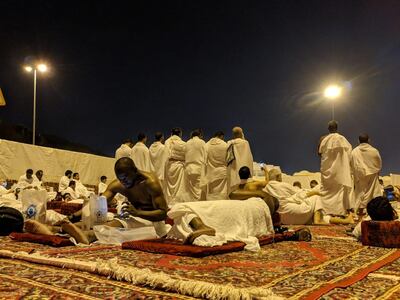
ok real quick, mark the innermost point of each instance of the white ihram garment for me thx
(64, 183)
(81, 190)
(102, 187)
(195, 164)
(233, 220)
(295, 208)
(158, 157)
(243, 157)
(175, 170)
(141, 157)
(336, 182)
(24, 182)
(216, 171)
(123, 151)
(366, 164)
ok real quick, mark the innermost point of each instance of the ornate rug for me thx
(332, 266)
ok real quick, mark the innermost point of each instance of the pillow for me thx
(381, 234)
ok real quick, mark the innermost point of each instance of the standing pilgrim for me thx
(158, 156)
(195, 164)
(366, 164)
(336, 182)
(175, 167)
(124, 150)
(140, 154)
(216, 167)
(238, 155)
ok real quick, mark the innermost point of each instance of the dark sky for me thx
(117, 70)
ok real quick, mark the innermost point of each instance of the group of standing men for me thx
(192, 170)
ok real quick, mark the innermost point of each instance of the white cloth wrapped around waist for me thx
(233, 220)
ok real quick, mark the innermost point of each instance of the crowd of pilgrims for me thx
(196, 170)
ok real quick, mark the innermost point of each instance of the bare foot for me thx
(195, 234)
(75, 232)
(34, 226)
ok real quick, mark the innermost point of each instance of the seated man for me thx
(378, 209)
(26, 180)
(70, 192)
(144, 194)
(295, 207)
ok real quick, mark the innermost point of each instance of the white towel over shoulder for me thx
(233, 220)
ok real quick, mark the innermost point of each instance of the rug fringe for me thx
(113, 269)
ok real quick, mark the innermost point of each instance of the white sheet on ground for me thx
(233, 220)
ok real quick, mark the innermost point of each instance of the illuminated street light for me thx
(41, 68)
(333, 92)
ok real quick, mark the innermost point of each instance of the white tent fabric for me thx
(15, 158)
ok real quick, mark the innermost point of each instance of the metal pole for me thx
(333, 109)
(34, 108)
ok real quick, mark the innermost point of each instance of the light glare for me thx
(332, 92)
(42, 68)
(28, 68)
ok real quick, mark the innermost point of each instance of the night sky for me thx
(117, 70)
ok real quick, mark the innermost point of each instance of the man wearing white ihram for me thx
(158, 156)
(140, 154)
(195, 164)
(238, 155)
(124, 150)
(336, 181)
(175, 167)
(366, 164)
(216, 168)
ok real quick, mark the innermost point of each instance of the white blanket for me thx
(336, 181)
(366, 164)
(233, 220)
(243, 157)
(295, 208)
(141, 157)
(216, 170)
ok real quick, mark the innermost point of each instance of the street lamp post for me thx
(332, 92)
(41, 68)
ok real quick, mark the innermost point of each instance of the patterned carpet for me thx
(332, 266)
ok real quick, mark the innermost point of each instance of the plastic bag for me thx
(98, 209)
(113, 235)
(34, 204)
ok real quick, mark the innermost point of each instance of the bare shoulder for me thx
(152, 182)
(115, 186)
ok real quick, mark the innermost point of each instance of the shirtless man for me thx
(144, 194)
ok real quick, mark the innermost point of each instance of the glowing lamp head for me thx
(332, 92)
(42, 68)
(28, 68)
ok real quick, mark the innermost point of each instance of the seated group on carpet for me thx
(206, 223)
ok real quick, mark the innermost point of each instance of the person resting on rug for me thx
(378, 209)
(145, 198)
(296, 206)
(55, 222)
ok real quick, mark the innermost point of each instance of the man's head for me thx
(363, 138)
(159, 137)
(219, 134)
(332, 126)
(68, 173)
(39, 174)
(29, 173)
(380, 209)
(75, 176)
(126, 171)
(72, 184)
(128, 142)
(275, 174)
(176, 131)
(103, 179)
(142, 138)
(244, 173)
(237, 132)
(297, 184)
(313, 183)
(196, 132)
(381, 181)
